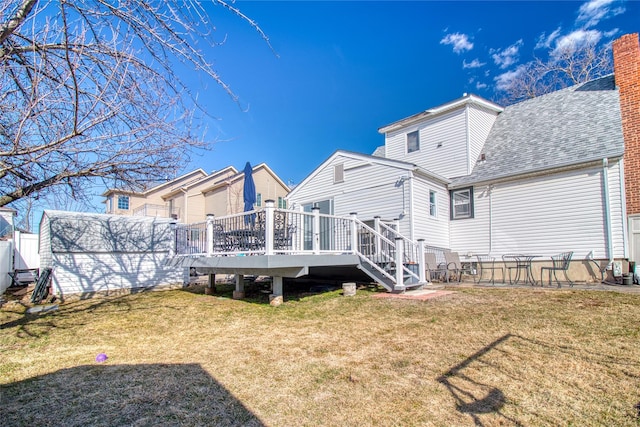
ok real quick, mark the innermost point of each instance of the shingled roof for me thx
(568, 127)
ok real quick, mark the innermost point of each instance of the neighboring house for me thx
(190, 197)
(542, 176)
(97, 252)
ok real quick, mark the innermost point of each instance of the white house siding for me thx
(434, 230)
(480, 122)
(370, 189)
(94, 252)
(78, 273)
(44, 243)
(472, 235)
(543, 216)
(448, 160)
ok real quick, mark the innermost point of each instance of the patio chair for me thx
(221, 241)
(510, 264)
(559, 262)
(454, 265)
(487, 263)
(434, 270)
(282, 237)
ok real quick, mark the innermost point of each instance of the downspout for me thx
(607, 208)
(468, 136)
(411, 211)
(490, 191)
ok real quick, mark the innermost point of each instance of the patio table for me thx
(244, 239)
(524, 272)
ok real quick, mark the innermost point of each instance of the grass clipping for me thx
(478, 357)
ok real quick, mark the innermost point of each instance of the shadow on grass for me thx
(473, 397)
(107, 395)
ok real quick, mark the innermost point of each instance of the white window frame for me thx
(414, 147)
(259, 199)
(433, 204)
(458, 200)
(123, 199)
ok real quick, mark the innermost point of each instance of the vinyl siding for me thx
(480, 122)
(449, 129)
(544, 216)
(46, 257)
(369, 189)
(216, 202)
(434, 230)
(96, 272)
(93, 252)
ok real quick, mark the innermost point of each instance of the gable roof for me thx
(240, 175)
(572, 126)
(441, 109)
(370, 159)
(196, 174)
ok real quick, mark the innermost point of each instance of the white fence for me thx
(20, 253)
(6, 264)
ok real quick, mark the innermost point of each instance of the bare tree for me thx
(88, 92)
(567, 65)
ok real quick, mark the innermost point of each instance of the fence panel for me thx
(6, 264)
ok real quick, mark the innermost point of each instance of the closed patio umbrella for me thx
(249, 192)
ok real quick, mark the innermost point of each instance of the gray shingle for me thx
(575, 125)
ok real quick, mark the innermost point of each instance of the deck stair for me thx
(378, 250)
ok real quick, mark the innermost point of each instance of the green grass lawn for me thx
(486, 357)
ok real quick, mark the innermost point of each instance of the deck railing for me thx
(272, 231)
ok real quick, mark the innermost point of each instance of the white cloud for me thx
(545, 41)
(508, 56)
(460, 42)
(504, 80)
(576, 40)
(594, 11)
(480, 85)
(473, 64)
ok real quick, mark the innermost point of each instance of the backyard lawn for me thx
(533, 357)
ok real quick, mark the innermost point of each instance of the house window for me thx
(282, 203)
(462, 203)
(259, 199)
(413, 141)
(432, 203)
(338, 173)
(123, 203)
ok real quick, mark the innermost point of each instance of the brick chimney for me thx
(626, 65)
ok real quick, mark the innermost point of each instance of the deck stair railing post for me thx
(268, 226)
(209, 233)
(378, 247)
(316, 230)
(354, 232)
(422, 272)
(399, 260)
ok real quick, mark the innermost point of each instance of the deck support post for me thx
(422, 265)
(209, 234)
(210, 289)
(268, 226)
(276, 298)
(399, 261)
(239, 292)
(316, 230)
(354, 233)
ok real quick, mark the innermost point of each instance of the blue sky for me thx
(338, 71)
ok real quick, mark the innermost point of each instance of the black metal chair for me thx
(487, 263)
(559, 262)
